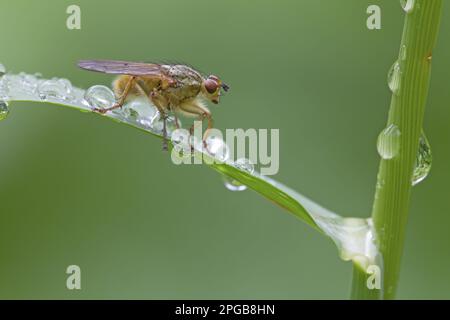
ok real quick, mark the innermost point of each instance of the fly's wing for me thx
(122, 67)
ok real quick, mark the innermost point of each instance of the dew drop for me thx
(4, 110)
(403, 52)
(100, 97)
(180, 137)
(157, 124)
(424, 159)
(380, 181)
(388, 143)
(245, 165)
(407, 5)
(139, 110)
(29, 82)
(180, 140)
(59, 89)
(233, 185)
(67, 89)
(242, 164)
(11, 84)
(197, 143)
(394, 77)
(18, 84)
(216, 147)
(144, 122)
(171, 124)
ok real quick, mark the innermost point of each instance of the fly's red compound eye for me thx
(211, 85)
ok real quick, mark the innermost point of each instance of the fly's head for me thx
(211, 88)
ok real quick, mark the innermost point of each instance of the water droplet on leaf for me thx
(29, 82)
(216, 147)
(99, 97)
(67, 89)
(4, 110)
(394, 77)
(424, 159)
(139, 110)
(171, 124)
(180, 140)
(58, 89)
(243, 164)
(403, 52)
(388, 143)
(157, 124)
(407, 5)
(233, 185)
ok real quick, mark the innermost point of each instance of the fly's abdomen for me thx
(146, 85)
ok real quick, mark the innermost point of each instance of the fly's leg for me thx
(195, 108)
(177, 123)
(161, 104)
(164, 146)
(208, 117)
(204, 115)
(121, 100)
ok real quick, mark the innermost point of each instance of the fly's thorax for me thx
(187, 82)
(181, 72)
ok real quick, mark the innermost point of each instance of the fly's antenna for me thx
(225, 87)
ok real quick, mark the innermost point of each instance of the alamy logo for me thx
(73, 281)
(374, 279)
(73, 21)
(258, 146)
(374, 20)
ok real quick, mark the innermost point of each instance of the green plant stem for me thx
(360, 290)
(392, 197)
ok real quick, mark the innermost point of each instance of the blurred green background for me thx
(78, 189)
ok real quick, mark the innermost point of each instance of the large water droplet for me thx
(388, 143)
(99, 97)
(181, 142)
(233, 185)
(216, 147)
(58, 89)
(157, 124)
(407, 5)
(423, 160)
(394, 77)
(139, 110)
(4, 110)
